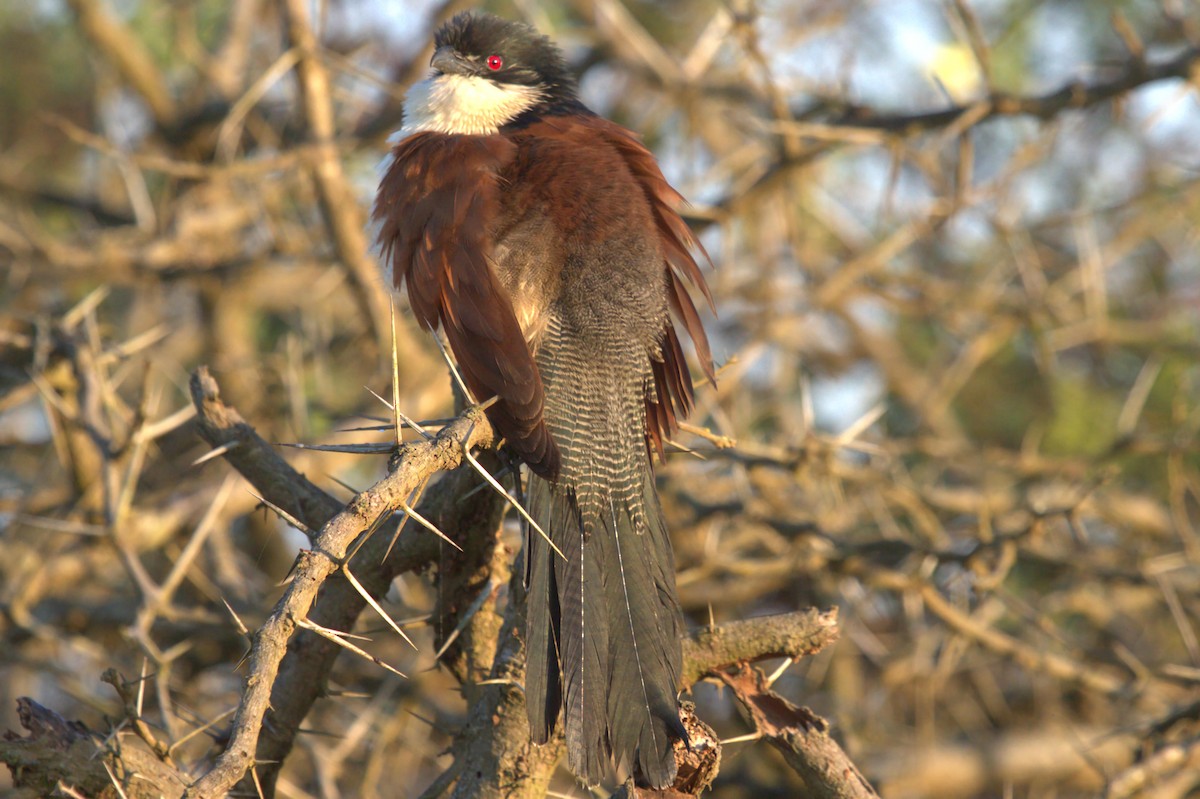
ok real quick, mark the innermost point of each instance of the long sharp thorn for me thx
(750, 736)
(258, 789)
(477, 466)
(217, 452)
(779, 671)
(287, 517)
(338, 638)
(141, 692)
(395, 537)
(686, 449)
(454, 369)
(442, 422)
(113, 778)
(375, 394)
(350, 449)
(86, 306)
(406, 420)
(365, 429)
(366, 535)
(391, 406)
(856, 429)
(237, 620)
(413, 499)
(506, 470)
(428, 525)
(375, 605)
(205, 727)
(450, 639)
(415, 426)
(466, 617)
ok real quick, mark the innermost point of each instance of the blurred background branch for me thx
(958, 287)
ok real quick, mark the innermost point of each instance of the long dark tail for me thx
(603, 623)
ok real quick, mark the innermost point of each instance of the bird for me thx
(547, 245)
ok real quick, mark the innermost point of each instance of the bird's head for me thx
(487, 72)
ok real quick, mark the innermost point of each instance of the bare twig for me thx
(125, 51)
(342, 214)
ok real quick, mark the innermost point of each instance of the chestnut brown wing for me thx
(436, 206)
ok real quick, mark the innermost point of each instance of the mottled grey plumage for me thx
(612, 602)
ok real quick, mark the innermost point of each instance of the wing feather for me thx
(437, 206)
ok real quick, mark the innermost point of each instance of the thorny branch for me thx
(484, 748)
(418, 461)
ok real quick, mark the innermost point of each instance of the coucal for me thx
(545, 242)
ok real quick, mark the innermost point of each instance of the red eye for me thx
(494, 62)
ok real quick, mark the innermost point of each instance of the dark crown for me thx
(529, 57)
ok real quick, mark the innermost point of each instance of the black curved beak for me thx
(448, 62)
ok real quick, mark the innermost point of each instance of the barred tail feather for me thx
(644, 651)
(610, 602)
(543, 686)
(611, 608)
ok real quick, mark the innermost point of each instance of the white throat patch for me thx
(456, 104)
(464, 104)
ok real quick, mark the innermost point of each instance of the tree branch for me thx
(802, 737)
(59, 753)
(793, 635)
(417, 462)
